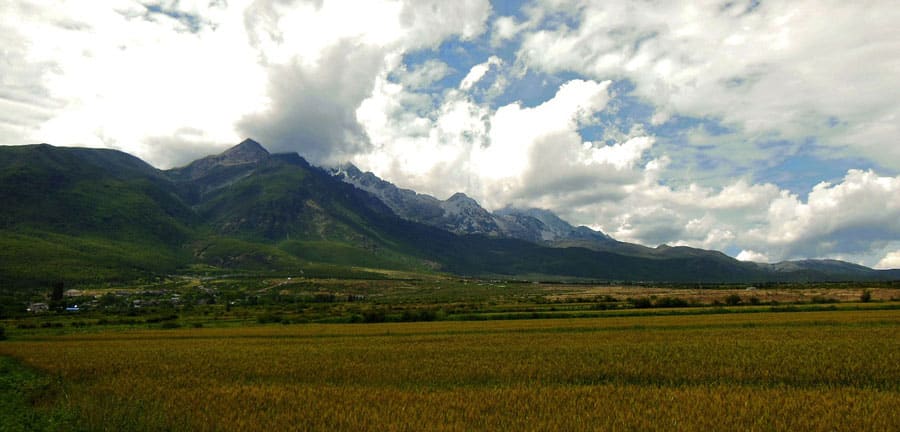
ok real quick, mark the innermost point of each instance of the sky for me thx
(765, 129)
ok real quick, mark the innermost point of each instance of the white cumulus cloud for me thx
(424, 74)
(514, 154)
(169, 79)
(125, 76)
(478, 71)
(890, 261)
(749, 255)
(783, 70)
(845, 217)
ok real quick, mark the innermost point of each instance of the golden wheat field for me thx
(832, 370)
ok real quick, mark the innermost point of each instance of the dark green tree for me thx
(866, 296)
(56, 296)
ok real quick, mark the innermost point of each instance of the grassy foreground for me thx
(830, 370)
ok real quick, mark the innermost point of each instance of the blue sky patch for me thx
(190, 21)
(798, 173)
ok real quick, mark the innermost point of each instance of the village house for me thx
(38, 308)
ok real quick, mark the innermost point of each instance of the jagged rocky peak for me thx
(463, 215)
(248, 151)
(343, 170)
(460, 202)
(347, 169)
(547, 226)
(243, 156)
(545, 216)
(460, 197)
(351, 174)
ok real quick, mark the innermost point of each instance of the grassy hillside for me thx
(86, 215)
(89, 192)
(38, 259)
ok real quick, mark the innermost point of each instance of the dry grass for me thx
(709, 295)
(832, 370)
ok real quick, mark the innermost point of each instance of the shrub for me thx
(154, 320)
(268, 318)
(324, 298)
(823, 299)
(2, 333)
(866, 296)
(733, 300)
(668, 302)
(641, 303)
(373, 316)
(418, 315)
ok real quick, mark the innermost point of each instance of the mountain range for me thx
(463, 215)
(99, 215)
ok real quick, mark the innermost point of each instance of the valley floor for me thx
(816, 370)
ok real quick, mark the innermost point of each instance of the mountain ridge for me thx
(463, 215)
(101, 215)
(544, 227)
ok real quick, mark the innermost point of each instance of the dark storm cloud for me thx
(313, 109)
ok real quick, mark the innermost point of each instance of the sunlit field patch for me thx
(831, 370)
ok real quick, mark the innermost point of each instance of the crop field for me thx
(823, 370)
